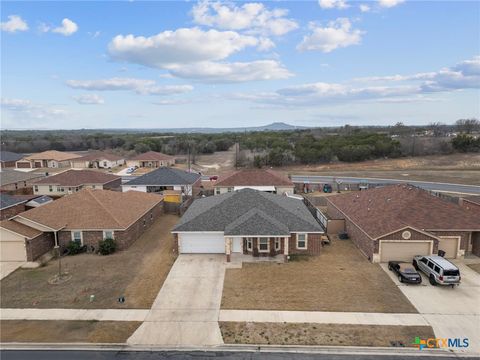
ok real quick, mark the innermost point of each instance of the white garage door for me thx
(449, 245)
(403, 250)
(12, 251)
(204, 243)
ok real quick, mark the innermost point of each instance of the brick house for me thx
(249, 222)
(46, 159)
(14, 181)
(397, 222)
(98, 160)
(151, 159)
(86, 217)
(72, 181)
(257, 179)
(8, 159)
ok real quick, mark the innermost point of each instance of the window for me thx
(423, 260)
(144, 222)
(50, 188)
(217, 191)
(278, 244)
(77, 237)
(230, 189)
(36, 188)
(437, 269)
(104, 164)
(263, 245)
(301, 241)
(430, 265)
(151, 216)
(107, 234)
(93, 186)
(249, 244)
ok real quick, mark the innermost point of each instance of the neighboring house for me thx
(165, 178)
(8, 159)
(71, 181)
(11, 206)
(249, 222)
(86, 217)
(98, 160)
(12, 180)
(397, 222)
(151, 159)
(47, 159)
(471, 203)
(257, 179)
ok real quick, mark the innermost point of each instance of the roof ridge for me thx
(90, 192)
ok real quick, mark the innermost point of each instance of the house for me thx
(257, 179)
(249, 222)
(8, 159)
(166, 178)
(396, 222)
(151, 159)
(46, 159)
(13, 180)
(98, 160)
(71, 181)
(87, 217)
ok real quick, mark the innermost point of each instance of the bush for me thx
(74, 248)
(107, 246)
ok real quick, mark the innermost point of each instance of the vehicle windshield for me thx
(451, 273)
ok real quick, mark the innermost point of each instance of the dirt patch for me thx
(321, 334)
(339, 279)
(137, 273)
(475, 267)
(67, 331)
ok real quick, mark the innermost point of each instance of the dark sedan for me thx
(406, 272)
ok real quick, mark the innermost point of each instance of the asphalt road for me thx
(158, 355)
(434, 186)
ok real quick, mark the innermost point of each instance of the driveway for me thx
(452, 313)
(7, 267)
(186, 310)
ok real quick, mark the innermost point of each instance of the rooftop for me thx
(78, 177)
(254, 177)
(10, 176)
(9, 156)
(20, 229)
(152, 155)
(383, 210)
(166, 176)
(7, 201)
(99, 155)
(52, 155)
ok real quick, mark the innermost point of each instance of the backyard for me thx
(137, 274)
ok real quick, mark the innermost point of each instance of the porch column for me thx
(228, 247)
(285, 249)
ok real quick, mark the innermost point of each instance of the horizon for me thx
(210, 64)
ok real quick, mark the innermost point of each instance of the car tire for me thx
(432, 280)
(400, 279)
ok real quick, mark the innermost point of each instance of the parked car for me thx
(439, 270)
(327, 188)
(130, 170)
(406, 272)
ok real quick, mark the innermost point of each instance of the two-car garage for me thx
(403, 250)
(201, 243)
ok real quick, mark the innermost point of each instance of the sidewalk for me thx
(74, 314)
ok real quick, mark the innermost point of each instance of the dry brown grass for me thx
(339, 279)
(67, 331)
(321, 334)
(137, 273)
(475, 267)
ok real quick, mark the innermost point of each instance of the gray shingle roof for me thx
(165, 176)
(7, 200)
(10, 156)
(248, 212)
(10, 176)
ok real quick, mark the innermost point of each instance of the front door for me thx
(237, 245)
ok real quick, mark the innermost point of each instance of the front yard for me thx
(137, 274)
(340, 279)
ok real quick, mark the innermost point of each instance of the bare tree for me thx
(468, 125)
(437, 128)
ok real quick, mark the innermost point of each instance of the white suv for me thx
(439, 270)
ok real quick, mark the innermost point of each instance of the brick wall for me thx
(314, 246)
(38, 246)
(12, 211)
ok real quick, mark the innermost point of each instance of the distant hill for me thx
(276, 126)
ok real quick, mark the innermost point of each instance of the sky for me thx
(171, 64)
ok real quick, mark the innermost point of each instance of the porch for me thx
(257, 248)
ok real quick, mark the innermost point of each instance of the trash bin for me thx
(441, 253)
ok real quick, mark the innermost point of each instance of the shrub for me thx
(107, 246)
(74, 248)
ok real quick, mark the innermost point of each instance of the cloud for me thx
(15, 23)
(89, 99)
(67, 28)
(333, 4)
(171, 102)
(389, 3)
(23, 108)
(233, 72)
(252, 17)
(337, 34)
(364, 8)
(139, 86)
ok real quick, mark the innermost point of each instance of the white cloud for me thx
(233, 72)
(43, 28)
(23, 108)
(139, 86)
(89, 99)
(364, 8)
(389, 3)
(253, 17)
(182, 46)
(333, 4)
(67, 28)
(15, 23)
(171, 102)
(337, 34)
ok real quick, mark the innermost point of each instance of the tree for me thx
(466, 143)
(141, 148)
(468, 125)
(436, 128)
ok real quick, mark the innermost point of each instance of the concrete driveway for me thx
(7, 267)
(186, 310)
(452, 313)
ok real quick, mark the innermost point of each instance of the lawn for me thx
(339, 279)
(67, 331)
(321, 334)
(137, 274)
